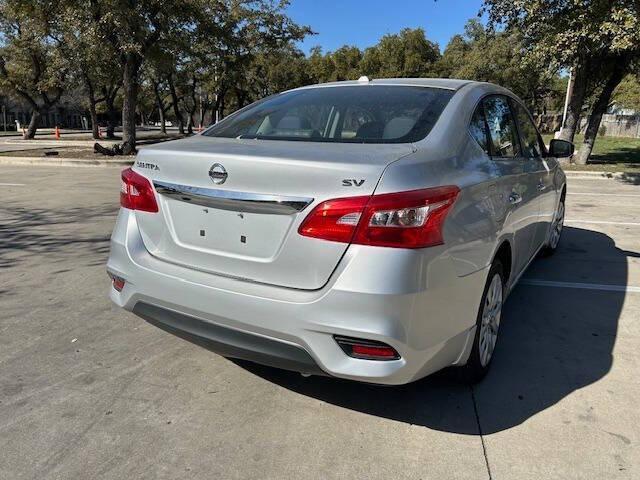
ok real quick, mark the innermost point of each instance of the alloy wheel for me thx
(556, 227)
(490, 320)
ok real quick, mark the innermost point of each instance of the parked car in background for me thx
(368, 230)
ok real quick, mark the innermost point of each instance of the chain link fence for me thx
(611, 125)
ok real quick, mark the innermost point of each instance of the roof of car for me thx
(448, 83)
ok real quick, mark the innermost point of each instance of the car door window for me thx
(529, 136)
(478, 129)
(503, 134)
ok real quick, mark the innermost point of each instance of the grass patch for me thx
(618, 154)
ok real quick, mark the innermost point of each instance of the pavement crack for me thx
(484, 447)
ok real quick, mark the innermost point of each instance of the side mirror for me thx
(561, 148)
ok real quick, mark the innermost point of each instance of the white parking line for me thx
(599, 222)
(604, 194)
(12, 184)
(584, 286)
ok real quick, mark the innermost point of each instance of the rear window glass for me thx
(348, 114)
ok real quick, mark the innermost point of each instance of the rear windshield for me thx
(346, 114)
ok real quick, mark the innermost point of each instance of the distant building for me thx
(615, 109)
(18, 114)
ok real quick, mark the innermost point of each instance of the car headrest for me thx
(291, 122)
(370, 130)
(398, 127)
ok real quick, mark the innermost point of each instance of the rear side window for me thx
(531, 143)
(478, 129)
(344, 114)
(503, 134)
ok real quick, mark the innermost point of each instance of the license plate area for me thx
(227, 232)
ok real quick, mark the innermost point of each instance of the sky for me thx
(363, 22)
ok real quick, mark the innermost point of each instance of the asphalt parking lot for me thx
(90, 391)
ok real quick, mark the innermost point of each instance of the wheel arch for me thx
(504, 253)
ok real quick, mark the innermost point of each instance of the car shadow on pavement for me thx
(553, 342)
(56, 233)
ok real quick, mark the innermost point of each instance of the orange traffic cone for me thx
(57, 133)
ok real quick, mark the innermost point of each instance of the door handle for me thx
(541, 187)
(514, 198)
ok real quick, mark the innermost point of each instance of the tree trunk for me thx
(190, 125)
(111, 117)
(203, 111)
(163, 121)
(176, 106)
(599, 108)
(94, 120)
(92, 106)
(33, 125)
(110, 94)
(576, 101)
(130, 91)
(160, 105)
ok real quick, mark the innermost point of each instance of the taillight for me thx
(136, 192)
(412, 219)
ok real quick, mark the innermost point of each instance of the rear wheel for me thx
(555, 232)
(487, 326)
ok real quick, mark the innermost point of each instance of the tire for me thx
(555, 232)
(487, 326)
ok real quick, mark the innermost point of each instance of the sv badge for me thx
(352, 182)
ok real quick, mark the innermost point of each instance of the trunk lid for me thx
(246, 226)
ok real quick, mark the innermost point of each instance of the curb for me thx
(52, 143)
(64, 162)
(592, 174)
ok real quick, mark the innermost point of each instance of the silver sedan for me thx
(369, 230)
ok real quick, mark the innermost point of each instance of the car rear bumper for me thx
(228, 342)
(410, 300)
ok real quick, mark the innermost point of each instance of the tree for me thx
(229, 37)
(597, 39)
(31, 68)
(132, 28)
(627, 95)
(405, 54)
(93, 63)
(488, 56)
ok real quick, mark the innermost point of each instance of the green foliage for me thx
(627, 95)
(562, 33)
(406, 54)
(31, 67)
(489, 56)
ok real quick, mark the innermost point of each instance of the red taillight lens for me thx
(334, 220)
(412, 219)
(136, 192)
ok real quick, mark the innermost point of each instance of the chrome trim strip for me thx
(234, 201)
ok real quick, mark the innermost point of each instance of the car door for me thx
(517, 190)
(540, 171)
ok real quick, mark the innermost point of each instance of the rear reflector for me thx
(117, 282)
(412, 219)
(366, 349)
(136, 192)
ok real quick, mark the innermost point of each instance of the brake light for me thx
(136, 192)
(412, 219)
